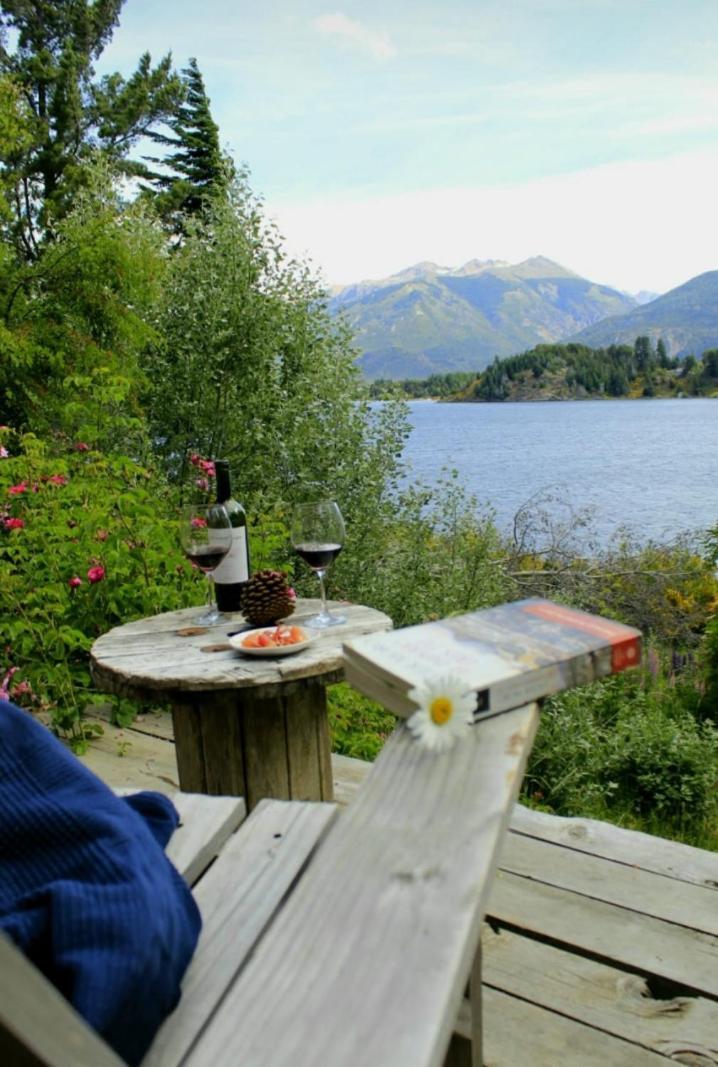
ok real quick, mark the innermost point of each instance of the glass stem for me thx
(210, 594)
(323, 614)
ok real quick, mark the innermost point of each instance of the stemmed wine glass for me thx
(206, 537)
(317, 534)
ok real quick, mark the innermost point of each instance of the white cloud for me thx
(338, 25)
(644, 225)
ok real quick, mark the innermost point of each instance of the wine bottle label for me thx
(235, 565)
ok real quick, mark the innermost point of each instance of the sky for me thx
(381, 134)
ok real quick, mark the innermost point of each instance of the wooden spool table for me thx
(251, 727)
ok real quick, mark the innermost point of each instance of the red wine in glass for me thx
(206, 537)
(317, 555)
(318, 536)
(206, 558)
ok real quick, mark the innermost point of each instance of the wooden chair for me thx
(328, 940)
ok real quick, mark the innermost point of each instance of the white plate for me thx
(277, 650)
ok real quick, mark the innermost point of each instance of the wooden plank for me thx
(302, 741)
(655, 854)
(220, 720)
(619, 935)
(373, 949)
(600, 996)
(264, 739)
(189, 751)
(519, 1033)
(616, 883)
(237, 898)
(38, 1027)
(348, 774)
(206, 823)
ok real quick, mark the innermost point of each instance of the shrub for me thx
(87, 542)
(630, 750)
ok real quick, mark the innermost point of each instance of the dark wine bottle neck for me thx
(224, 485)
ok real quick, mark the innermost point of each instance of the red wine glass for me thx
(317, 533)
(206, 538)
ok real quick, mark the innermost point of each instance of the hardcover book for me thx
(509, 655)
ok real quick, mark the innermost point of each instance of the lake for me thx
(647, 465)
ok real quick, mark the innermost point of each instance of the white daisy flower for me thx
(446, 710)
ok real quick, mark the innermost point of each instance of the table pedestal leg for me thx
(234, 743)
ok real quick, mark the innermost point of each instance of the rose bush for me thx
(87, 541)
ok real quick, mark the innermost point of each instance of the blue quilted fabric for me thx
(86, 891)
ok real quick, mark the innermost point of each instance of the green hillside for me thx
(429, 319)
(574, 372)
(686, 318)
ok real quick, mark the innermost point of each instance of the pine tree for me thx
(71, 114)
(197, 160)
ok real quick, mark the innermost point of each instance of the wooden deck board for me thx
(584, 916)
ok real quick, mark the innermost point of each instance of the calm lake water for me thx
(648, 465)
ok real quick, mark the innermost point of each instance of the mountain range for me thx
(430, 319)
(686, 318)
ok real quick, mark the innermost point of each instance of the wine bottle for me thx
(231, 576)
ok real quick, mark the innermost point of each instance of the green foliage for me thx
(73, 324)
(196, 159)
(359, 727)
(70, 113)
(628, 750)
(428, 557)
(435, 386)
(576, 370)
(250, 366)
(86, 543)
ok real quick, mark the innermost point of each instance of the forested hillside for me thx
(575, 371)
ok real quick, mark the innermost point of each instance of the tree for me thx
(70, 114)
(643, 351)
(250, 365)
(662, 354)
(197, 158)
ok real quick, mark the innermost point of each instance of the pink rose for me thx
(102, 535)
(198, 523)
(58, 479)
(80, 446)
(74, 582)
(14, 524)
(3, 453)
(194, 459)
(202, 484)
(208, 467)
(95, 574)
(16, 490)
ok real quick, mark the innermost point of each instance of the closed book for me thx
(509, 655)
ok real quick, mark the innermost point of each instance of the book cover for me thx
(509, 655)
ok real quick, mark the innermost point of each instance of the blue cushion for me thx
(86, 891)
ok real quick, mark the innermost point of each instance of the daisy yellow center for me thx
(441, 709)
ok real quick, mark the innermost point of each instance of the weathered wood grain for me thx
(150, 656)
(616, 934)
(38, 1027)
(616, 883)
(600, 996)
(651, 853)
(237, 898)
(396, 891)
(518, 1033)
(189, 750)
(206, 824)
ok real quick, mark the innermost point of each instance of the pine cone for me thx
(268, 598)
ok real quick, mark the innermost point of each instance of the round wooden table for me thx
(251, 727)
